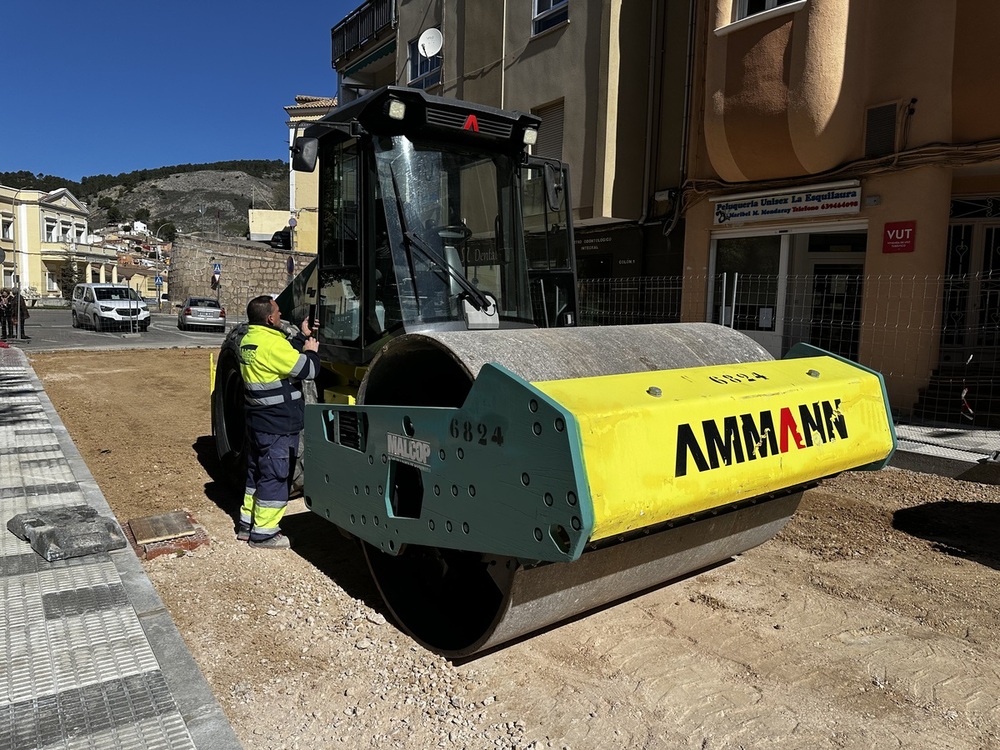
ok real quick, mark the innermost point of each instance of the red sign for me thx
(899, 237)
(471, 123)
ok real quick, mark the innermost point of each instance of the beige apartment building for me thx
(849, 152)
(824, 171)
(608, 80)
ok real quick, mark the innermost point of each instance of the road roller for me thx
(502, 467)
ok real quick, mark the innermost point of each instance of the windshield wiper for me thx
(477, 298)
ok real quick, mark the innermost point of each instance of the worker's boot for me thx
(278, 541)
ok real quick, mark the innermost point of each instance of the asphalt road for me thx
(50, 329)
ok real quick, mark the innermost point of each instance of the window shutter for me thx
(550, 134)
(880, 130)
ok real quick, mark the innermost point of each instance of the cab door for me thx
(548, 242)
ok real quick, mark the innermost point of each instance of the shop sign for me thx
(899, 237)
(801, 204)
(622, 249)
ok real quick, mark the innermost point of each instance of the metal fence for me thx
(935, 339)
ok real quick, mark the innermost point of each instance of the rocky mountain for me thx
(211, 200)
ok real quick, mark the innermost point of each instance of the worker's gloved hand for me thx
(307, 327)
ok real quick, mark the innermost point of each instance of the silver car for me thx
(201, 312)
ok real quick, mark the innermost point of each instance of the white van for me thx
(103, 306)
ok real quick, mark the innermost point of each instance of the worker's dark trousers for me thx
(270, 463)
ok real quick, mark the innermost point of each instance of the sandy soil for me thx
(870, 621)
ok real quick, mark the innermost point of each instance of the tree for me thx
(114, 215)
(67, 276)
(142, 214)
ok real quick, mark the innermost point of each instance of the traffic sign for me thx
(217, 269)
(158, 281)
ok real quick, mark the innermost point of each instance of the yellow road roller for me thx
(503, 468)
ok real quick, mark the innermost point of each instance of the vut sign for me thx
(899, 237)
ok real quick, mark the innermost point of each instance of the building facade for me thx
(608, 80)
(304, 186)
(809, 170)
(849, 152)
(41, 233)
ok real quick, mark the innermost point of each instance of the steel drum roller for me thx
(503, 481)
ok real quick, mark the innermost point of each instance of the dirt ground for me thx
(872, 620)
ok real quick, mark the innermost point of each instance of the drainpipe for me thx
(655, 63)
(686, 127)
(503, 55)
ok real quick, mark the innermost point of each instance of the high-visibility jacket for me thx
(273, 370)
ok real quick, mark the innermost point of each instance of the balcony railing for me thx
(361, 26)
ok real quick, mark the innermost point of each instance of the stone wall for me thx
(248, 269)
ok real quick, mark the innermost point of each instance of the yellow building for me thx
(39, 233)
(301, 217)
(304, 186)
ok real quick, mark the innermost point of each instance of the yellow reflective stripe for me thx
(266, 519)
(246, 510)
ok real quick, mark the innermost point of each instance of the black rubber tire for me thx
(98, 326)
(228, 418)
(76, 321)
(144, 326)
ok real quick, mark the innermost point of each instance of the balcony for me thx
(362, 25)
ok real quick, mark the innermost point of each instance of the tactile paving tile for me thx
(77, 668)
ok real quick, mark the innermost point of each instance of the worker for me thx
(273, 368)
(6, 315)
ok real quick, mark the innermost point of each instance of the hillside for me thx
(210, 198)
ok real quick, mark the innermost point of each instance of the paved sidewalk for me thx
(91, 657)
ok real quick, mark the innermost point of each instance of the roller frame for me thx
(522, 498)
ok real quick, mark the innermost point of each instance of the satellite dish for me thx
(430, 42)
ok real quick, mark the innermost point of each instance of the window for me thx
(549, 13)
(424, 71)
(50, 230)
(51, 284)
(64, 231)
(7, 227)
(746, 8)
(78, 232)
(340, 253)
(550, 133)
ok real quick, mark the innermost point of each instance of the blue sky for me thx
(112, 86)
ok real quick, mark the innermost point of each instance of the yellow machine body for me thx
(659, 446)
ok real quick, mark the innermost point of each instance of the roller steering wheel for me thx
(458, 232)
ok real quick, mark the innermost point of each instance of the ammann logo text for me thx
(408, 450)
(746, 437)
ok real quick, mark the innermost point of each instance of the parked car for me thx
(103, 306)
(281, 240)
(198, 312)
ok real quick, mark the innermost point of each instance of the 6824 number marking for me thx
(478, 432)
(739, 377)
